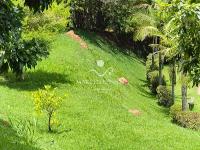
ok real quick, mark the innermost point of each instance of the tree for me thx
(46, 101)
(151, 28)
(185, 16)
(40, 5)
(15, 52)
(172, 72)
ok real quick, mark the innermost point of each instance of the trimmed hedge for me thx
(164, 96)
(185, 119)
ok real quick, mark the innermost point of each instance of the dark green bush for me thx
(164, 96)
(185, 119)
(110, 14)
(149, 66)
(25, 54)
(153, 81)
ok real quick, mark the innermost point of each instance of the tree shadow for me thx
(106, 44)
(9, 139)
(35, 80)
(143, 89)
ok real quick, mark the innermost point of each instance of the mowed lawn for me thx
(95, 114)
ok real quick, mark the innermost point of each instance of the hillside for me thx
(98, 111)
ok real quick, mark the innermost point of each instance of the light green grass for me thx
(94, 116)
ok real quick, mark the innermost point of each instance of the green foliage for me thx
(46, 101)
(10, 24)
(152, 73)
(184, 16)
(154, 81)
(117, 13)
(40, 5)
(25, 129)
(164, 96)
(185, 119)
(24, 55)
(149, 66)
(16, 53)
(55, 19)
(175, 109)
(87, 14)
(99, 15)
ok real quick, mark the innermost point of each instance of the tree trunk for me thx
(160, 68)
(49, 122)
(20, 76)
(184, 97)
(153, 59)
(173, 79)
(160, 62)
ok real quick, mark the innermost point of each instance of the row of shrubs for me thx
(152, 74)
(186, 119)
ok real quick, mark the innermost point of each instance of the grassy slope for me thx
(94, 116)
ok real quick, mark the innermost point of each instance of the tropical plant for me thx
(151, 28)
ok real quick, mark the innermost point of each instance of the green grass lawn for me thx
(95, 115)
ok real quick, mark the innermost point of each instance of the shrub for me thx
(23, 55)
(48, 102)
(154, 81)
(164, 96)
(149, 65)
(55, 19)
(186, 119)
(175, 109)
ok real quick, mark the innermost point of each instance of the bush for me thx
(149, 65)
(23, 55)
(153, 81)
(185, 119)
(55, 19)
(164, 96)
(175, 109)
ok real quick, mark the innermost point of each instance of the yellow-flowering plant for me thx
(46, 101)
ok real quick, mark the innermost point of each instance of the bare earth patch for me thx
(135, 112)
(77, 38)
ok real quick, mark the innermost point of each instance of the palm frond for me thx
(146, 31)
(143, 19)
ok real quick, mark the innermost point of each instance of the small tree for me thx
(46, 101)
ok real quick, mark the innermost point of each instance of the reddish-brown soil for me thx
(77, 38)
(135, 112)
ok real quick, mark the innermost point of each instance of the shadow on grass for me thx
(9, 139)
(35, 80)
(143, 89)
